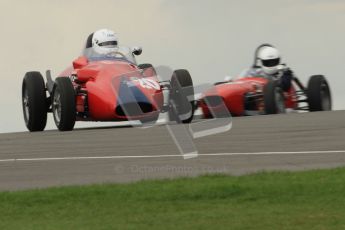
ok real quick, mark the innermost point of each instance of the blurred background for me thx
(211, 39)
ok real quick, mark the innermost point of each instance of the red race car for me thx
(105, 88)
(259, 95)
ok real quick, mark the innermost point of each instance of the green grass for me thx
(278, 200)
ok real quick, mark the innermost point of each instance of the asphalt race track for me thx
(279, 142)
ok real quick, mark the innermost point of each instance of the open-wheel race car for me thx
(254, 95)
(106, 88)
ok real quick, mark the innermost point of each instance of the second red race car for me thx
(106, 88)
(249, 95)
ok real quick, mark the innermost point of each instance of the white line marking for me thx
(164, 156)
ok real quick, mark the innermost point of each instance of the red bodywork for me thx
(100, 90)
(235, 93)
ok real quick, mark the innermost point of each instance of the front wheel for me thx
(181, 97)
(34, 101)
(319, 94)
(273, 98)
(63, 104)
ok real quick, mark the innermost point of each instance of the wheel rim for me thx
(325, 97)
(280, 101)
(57, 106)
(26, 106)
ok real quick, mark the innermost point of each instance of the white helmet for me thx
(103, 41)
(269, 59)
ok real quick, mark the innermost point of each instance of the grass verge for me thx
(277, 200)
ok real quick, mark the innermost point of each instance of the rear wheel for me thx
(273, 98)
(181, 97)
(63, 104)
(34, 101)
(319, 94)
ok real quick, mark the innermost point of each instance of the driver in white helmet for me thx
(103, 44)
(268, 64)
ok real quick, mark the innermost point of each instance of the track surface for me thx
(297, 134)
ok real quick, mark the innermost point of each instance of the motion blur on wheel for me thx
(268, 87)
(106, 86)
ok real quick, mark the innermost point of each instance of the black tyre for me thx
(34, 101)
(319, 94)
(274, 100)
(63, 104)
(181, 97)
